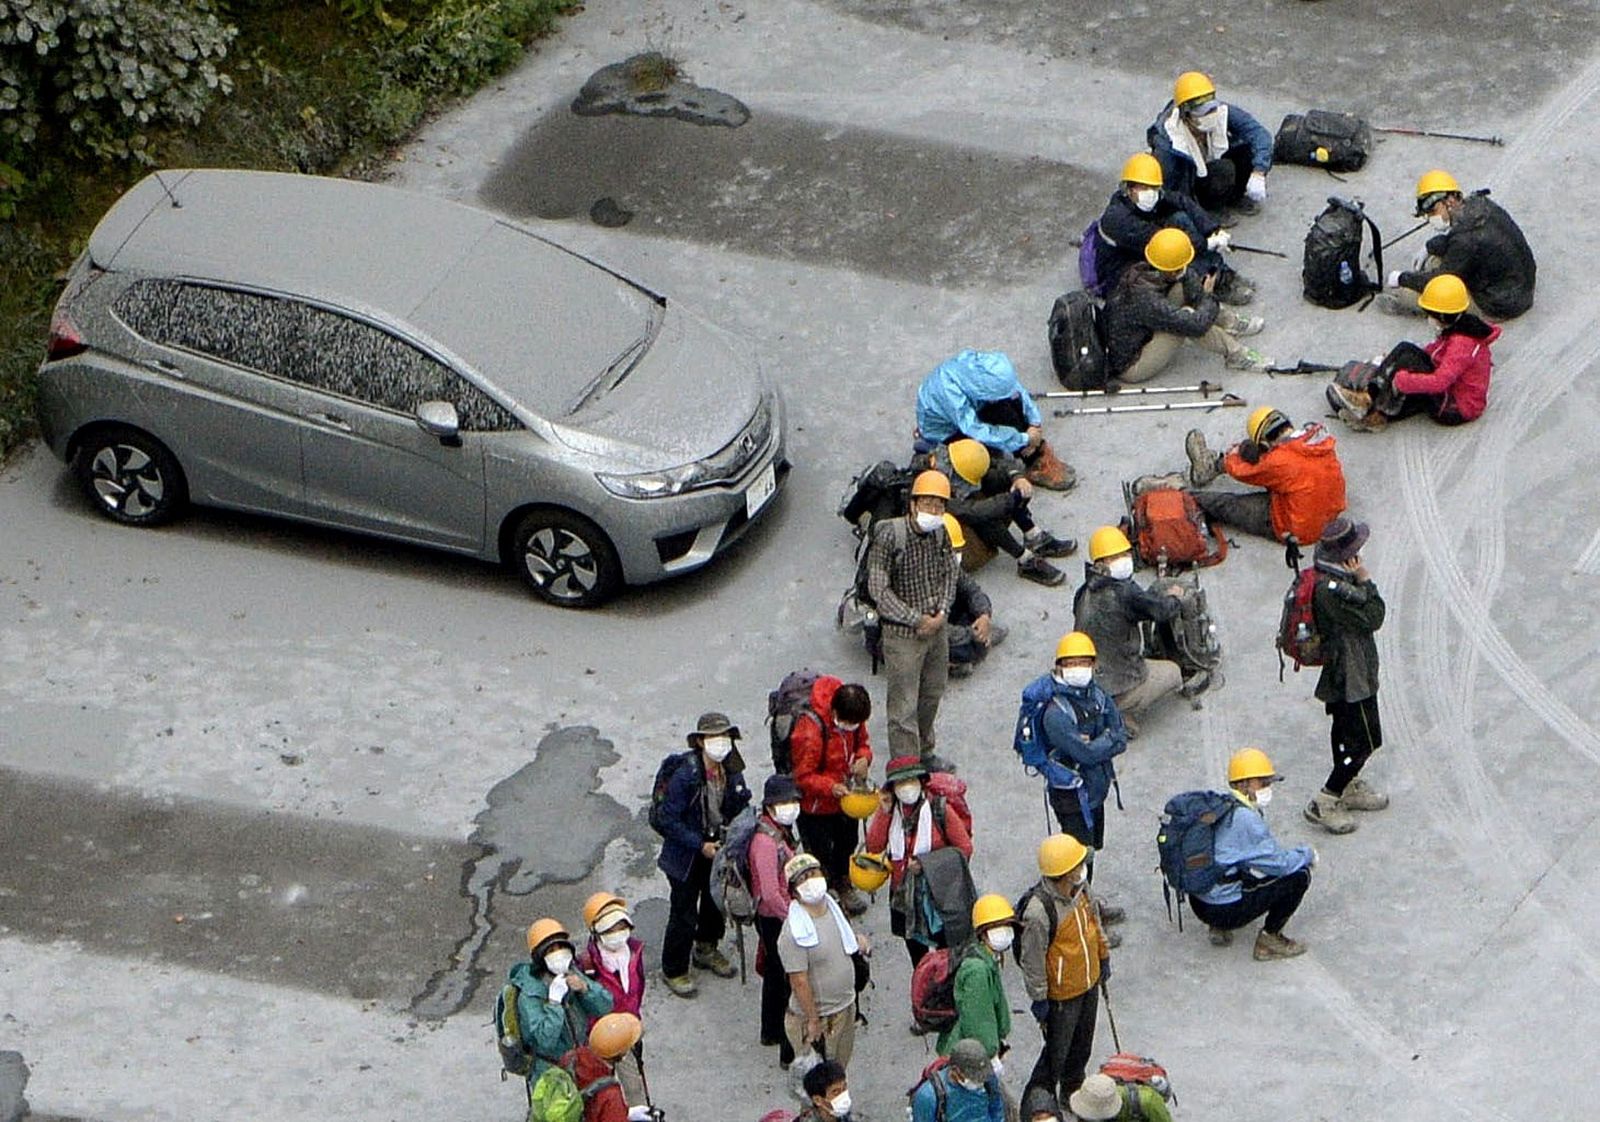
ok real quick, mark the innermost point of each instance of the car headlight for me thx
(655, 484)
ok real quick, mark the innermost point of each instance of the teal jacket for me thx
(982, 1012)
(551, 1030)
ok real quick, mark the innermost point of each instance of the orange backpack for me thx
(1168, 529)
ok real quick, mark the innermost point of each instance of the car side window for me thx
(244, 328)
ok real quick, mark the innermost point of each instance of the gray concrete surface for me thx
(164, 677)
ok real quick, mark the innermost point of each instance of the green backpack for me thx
(516, 1058)
(555, 1096)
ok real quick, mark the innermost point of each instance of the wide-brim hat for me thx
(1342, 539)
(713, 724)
(1097, 1100)
(904, 767)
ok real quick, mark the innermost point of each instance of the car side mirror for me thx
(439, 418)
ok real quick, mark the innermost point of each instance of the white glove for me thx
(638, 1114)
(1220, 240)
(1394, 278)
(558, 990)
(999, 1068)
(1256, 189)
(1314, 857)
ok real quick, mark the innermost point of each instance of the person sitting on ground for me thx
(831, 750)
(964, 1090)
(908, 825)
(1109, 607)
(1265, 878)
(977, 394)
(1452, 385)
(1102, 1098)
(594, 1069)
(990, 493)
(1477, 241)
(1299, 469)
(973, 632)
(1209, 149)
(1160, 302)
(828, 1090)
(1138, 209)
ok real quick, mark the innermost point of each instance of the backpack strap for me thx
(940, 1094)
(1135, 1101)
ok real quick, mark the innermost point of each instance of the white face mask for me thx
(558, 962)
(1439, 222)
(999, 939)
(786, 814)
(1076, 676)
(1145, 198)
(718, 747)
(957, 555)
(964, 1082)
(1264, 796)
(840, 1104)
(908, 793)
(844, 728)
(1120, 568)
(928, 523)
(811, 890)
(615, 940)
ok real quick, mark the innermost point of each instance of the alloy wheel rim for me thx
(561, 563)
(127, 480)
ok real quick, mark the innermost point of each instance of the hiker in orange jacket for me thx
(1299, 469)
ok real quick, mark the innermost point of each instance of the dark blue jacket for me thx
(683, 811)
(1125, 229)
(1065, 759)
(1177, 169)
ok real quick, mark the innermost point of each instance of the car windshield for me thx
(550, 329)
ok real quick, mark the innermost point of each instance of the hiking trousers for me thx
(1277, 899)
(1159, 352)
(1068, 1040)
(1250, 511)
(1161, 678)
(692, 917)
(774, 983)
(838, 1033)
(831, 839)
(1355, 734)
(917, 670)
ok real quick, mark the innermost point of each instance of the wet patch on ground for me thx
(13, 1082)
(1404, 63)
(793, 189)
(651, 85)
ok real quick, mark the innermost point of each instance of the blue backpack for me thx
(1187, 841)
(1036, 698)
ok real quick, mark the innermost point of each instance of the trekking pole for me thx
(644, 1081)
(1494, 140)
(738, 938)
(1205, 389)
(1407, 234)
(1226, 400)
(1105, 1000)
(1303, 367)
(1257, 249)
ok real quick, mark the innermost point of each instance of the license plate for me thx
(760, 491)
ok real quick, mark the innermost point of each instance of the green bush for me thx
(99, 74)
(456, 45)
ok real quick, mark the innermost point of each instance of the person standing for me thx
(615, 958)
(595, 1071)
(908, 825)
(703, 796)
(1348, 610)
(911, 580)
(964, 1090)
(772, 846)
(817, 949)
(831, 749)
(1064, 956)
(555, 1002)
(982, 1012)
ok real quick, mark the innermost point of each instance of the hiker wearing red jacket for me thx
(593, 1069)
(1299, 470)
(906, 826)
(830, 748)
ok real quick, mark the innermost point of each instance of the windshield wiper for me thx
(622, 365)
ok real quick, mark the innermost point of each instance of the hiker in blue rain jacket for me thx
(555, 1001)
(1069, 730)
(977, 394)
(1210, 149)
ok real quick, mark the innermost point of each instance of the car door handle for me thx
(162, 366)
(331, 421)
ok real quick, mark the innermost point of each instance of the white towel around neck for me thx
(804, 928)
(924, 838)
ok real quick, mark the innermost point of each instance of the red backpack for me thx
(1131, 1070)
(1298, 638)
(933, 991)
(948, 795)
(1166, 526)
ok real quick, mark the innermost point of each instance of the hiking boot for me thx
(1242, 326)
(709, 956)
(1370, 422)
(1113, 938)
(1392, 305)
(1221, 937)
(854, 901)
(1204, 464)
(1046, 544)
(1248, 359)
(1245, 205)
(1172, 481)
(1111, 913)
(1269, 946)
(1325, 811)
(1196, 684)
(1344, 399)
(1359, 796)
(935, 762)
(1049, 471)
(959, 670)
(683, 985)
(997, 635)
(1040, 571)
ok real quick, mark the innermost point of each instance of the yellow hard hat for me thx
(614, 1034)
(931, 482)
(1191, 86)
(1263, 420)
(1059, 854)
(1107, 541)
(952, 528)
(543, 931)
(1075, 644)
(1251, 763)
(991, 910)
(1143, 168)
(869, 871)
(970, 459)
(1445, 294)
(1169, 250)
(1436, 182)
(859, 804)
(600, 903)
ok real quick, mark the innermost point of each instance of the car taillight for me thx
(65, 340)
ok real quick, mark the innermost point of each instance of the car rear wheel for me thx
(130, 476)
(565, 559)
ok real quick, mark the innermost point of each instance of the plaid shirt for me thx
(909, 574)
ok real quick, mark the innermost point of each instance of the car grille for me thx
(728, 463)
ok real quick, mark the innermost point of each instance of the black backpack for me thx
(1322, 139)
(658, 790)
(881, 490)
(1331, 275)
(788, 704)
(1077, 342)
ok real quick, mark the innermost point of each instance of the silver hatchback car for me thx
(375, 360)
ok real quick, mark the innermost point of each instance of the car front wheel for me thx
(130, 476)
(565, 559)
